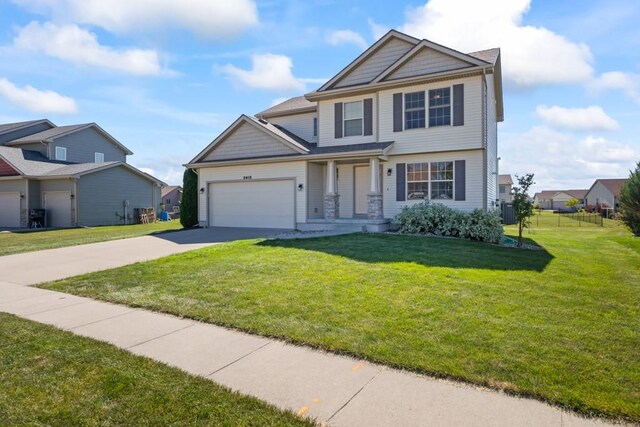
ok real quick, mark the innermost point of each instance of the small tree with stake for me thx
(522, 205)
(630, 201)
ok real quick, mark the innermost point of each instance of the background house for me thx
(77, 173)
(605, 192)
(505, 182)
(556, 199)
(408, 120)
(171, 198)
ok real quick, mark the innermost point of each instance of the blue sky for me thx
(166, 77)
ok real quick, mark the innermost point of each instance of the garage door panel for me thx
(260, 204)
(10, 210)
(58, 206)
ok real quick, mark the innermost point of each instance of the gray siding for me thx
(376, 63)
(427, 61)
(101, 195)
(81, 147)
(35, 198)
(10, 136)
(247, 141)
(41, 148)
(11, 186)
(172, 199)
(56, 185)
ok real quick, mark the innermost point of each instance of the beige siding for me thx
(473, 178)
(376, 63)
(315, 190)
(600, 194)
(326, 127)
(492, 147)
(295, 170)
(427, 61)
(441, 138)
(247, 141)
(300, 124)
(346, 181)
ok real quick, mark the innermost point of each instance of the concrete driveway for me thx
(54, 264)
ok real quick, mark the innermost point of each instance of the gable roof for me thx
(60, 131)
(550, 194)
(168, 189)
(10, 127)
(278, 133)
(296, 105)
(505, 179)
(613, 185)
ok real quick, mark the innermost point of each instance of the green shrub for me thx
(189, 202)
(440, 220)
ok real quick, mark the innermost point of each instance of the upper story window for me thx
(440, 107)
(430, 181)
(414, 110)
(315, 126)
(502, 188)
(99, 157)
(61, 153)
(353, 118)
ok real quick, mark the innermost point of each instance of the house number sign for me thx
(246, 177)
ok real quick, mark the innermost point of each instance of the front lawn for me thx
(36, 240)
(560, 324)
(51, 377)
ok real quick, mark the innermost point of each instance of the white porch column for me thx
(331, 177)
(331, 196)
(374, 197)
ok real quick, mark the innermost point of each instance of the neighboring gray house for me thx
(171, 198)
(605, 193)
(408, 120)
(505, 182)
(77, 173)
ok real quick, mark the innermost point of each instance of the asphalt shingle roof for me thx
(292, 104)
(49, 133)
(488, 55)
(613, 185)
(8, 127)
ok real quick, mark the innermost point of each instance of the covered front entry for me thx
(252, 203)
(10, 210)
(58, 208)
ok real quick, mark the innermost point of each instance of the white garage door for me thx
(257, 204)
(10, 210)
(58, 206)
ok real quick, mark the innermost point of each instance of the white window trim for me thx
(61, 153)
(95, 157)
(361, 118)
(429, 180)
(428, 108)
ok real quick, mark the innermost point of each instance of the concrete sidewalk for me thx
(336, 390)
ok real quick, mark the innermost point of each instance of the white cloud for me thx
(338, 37)
(268, 71)
(531, 55)
(37, 101)
(376, 29)
(629, 83)
(74, 44)
(589, 118)
(278, 101)
(563, 161)
(208, 18)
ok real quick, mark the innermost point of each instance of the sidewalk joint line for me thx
(159, 336)
(100, 320)
(54, 309)
(355, 394)
(238, 359)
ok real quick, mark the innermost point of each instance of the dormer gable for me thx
(366, 67)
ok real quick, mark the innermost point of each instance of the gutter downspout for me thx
(484, 141)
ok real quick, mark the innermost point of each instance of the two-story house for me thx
(408, 120)
(78, 174)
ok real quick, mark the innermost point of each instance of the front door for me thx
(361, 189)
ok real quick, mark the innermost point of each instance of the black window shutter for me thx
(338, 119)
(401, 178)
(397, 113)
(368, 116)
(460, 180)
(458, 105)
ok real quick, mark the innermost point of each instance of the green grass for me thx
(36, 240)
(560, 324)
(51, 377)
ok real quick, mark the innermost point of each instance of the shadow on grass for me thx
(426, 251)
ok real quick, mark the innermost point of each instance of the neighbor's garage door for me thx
(58, 206)
(10, 210)
(258, 204)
